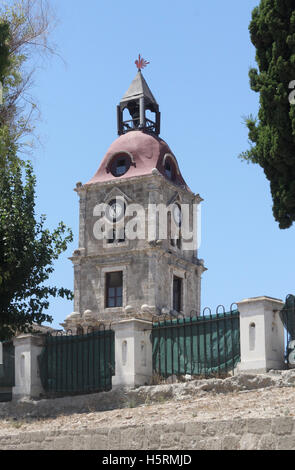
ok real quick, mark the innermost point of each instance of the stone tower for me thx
(135, 255)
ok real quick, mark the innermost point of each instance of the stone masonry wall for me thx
(237, 434)
(242, 412)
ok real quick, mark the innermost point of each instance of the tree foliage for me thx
(29, 23)
(27, 249)
(27, 253)
(272, 133)
(4, 50)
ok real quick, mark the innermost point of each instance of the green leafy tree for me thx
(7, 150)
(4, 49)
(27, 254)
(27, 249)
(272, 133)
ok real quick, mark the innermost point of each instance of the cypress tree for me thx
(272, 133)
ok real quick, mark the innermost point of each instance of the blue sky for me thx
(200, 54)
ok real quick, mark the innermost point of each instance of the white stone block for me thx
(261, 335)
(133, 352)
(27, 375)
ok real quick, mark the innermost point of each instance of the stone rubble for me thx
(256, 396)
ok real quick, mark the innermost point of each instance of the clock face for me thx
(115, 210)
(177, 214)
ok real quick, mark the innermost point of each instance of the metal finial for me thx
(141, 63)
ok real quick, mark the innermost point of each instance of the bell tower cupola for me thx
(138, 109)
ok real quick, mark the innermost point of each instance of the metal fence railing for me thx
(7, 371)
(77, 364)
(206, 345)
(287, 315)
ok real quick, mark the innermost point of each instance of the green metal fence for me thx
(7, 374)
(77, 364)
(197, 345)
(287, 315)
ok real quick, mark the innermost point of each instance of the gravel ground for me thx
(267, 402)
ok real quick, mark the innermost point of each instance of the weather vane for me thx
(141, 63)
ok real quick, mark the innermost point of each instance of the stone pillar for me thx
(133, 352)
(27, 376)
(261, 334)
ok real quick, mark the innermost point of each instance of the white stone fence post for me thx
(27, 374)
(133, 352)
(261, 335)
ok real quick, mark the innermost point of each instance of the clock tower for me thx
(137, 253)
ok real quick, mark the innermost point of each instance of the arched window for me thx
(177, 217)
(115, 213)
(170, 170)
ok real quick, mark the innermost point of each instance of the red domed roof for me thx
(146, 152)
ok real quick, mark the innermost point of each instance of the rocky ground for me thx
(246, 396)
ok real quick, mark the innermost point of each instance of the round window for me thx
(120, 165)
